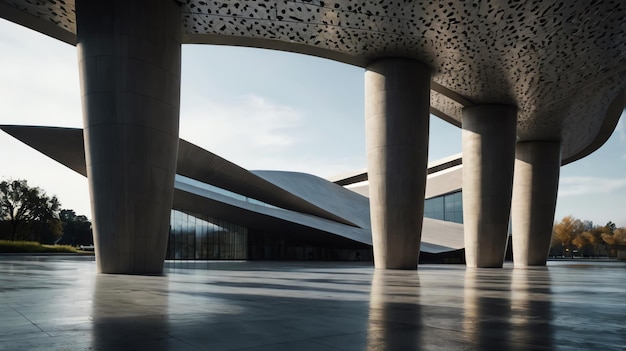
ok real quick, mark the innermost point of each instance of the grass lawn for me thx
(8, 246)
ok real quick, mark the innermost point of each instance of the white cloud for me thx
(240, 128)
(258, 134)
(574, 186)
(40, 83)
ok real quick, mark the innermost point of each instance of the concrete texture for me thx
(535, 188)
(130, 82)
(55, 303)
(488, 159)
(333, 198)
(443, 176)
(204, 166)
(446, 181)
(396, 130)
(441, 236)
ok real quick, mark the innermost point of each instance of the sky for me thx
(260, 109)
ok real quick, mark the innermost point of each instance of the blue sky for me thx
(258, 108)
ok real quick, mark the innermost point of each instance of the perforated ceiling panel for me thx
(560, 62)
(60, 12)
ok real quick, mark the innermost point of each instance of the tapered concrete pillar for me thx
(535, 187)
(489, 133)
(397, 102)
(129, 60)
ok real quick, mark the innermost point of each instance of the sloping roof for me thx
(66, 146)
(345, 214)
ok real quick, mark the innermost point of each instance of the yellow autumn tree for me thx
(566, 231)
(615, 238)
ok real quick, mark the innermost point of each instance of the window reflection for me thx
(448, 207)
(198, 237)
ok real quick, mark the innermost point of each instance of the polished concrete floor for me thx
(59, 303)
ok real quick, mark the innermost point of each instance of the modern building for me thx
(265, 215)
(533, 85)
(444, 184)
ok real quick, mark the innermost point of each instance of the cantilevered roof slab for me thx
(562, 63)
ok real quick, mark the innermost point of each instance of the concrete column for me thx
(489, 133)
(535, 187)
(129, 60)
(397, 102)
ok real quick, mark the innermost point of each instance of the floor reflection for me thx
(486, 309)
(508, 309)
(531, 307)
(130, 314)
(61, 304)
(395, 321)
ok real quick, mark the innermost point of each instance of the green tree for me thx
(76, 229)
(29, 211)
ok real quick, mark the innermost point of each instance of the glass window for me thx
(433, 208)
(201, 237)
(447, 207)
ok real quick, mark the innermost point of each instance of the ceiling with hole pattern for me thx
(562, 63)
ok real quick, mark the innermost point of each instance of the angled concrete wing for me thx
(308, 206)
(197, 163)
(66, 146)
(197, 199)
(330, 196)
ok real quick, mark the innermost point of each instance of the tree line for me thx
(29, 214)
(572, 237)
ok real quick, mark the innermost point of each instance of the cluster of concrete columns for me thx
(130, 81)
(500, 176)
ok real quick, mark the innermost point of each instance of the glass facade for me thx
(198, 237)
(201, 237)
(286, 246)
(448, 207)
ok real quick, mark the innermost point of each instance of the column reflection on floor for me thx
(135, 318)
(394, 324)
(531, 307)
(487, 308)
